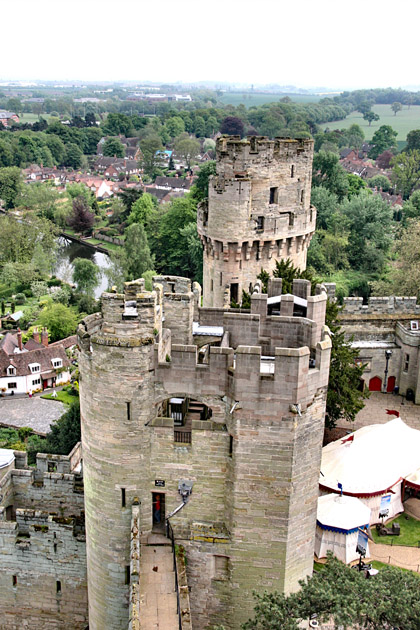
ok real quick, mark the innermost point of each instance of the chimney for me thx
(44, 337)
(36, 335)
(19, 338)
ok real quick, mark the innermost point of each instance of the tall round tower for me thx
(116, 396)
(258, 211)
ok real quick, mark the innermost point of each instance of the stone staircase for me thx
(158, 601)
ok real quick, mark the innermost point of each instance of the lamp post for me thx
(388, 355)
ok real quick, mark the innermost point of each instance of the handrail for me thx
(170, 535)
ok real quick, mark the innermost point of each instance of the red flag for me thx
(393, 412)
(348, 439)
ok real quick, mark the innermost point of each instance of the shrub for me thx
(20, 298)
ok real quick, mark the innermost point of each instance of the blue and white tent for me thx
(339, 519)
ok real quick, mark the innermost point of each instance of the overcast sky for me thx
(307, 43)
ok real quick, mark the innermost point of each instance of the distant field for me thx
(403, 122)
(250, 99)
(31, 118)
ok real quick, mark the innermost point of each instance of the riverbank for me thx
(104, 248)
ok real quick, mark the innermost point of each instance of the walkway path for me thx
(158, 607)
(397, 555)
(374, 411)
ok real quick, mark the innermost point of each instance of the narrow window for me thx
(127, 574)
(211, 285)
(55, 547)
(292, 170)
(230, 445)
(58, 586)
(301, 196)
(406, 362)
(260, 223)
(240, 264)
(274, 193)
(14, 580)
(128, 411)
(291, 219)
(221, 278)
(122, 497)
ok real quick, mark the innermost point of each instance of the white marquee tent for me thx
(337, 525)
(372, 463)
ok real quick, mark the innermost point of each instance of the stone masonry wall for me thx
(43, 576)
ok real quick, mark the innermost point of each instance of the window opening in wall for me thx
(230, 445)
(52, 467)
(274, 195)
(291, 219)
(211, 285)
(221, 567)
(221, 278)
(240, 264)
(127, 574)
(301, 196)
(55, 547)
(406, 362)
(58, 586)
(122, 497)
(292, 170)
(14, 580)
(260, 223)
(129, 411)
(11, 385)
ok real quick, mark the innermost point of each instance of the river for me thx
(68, 250)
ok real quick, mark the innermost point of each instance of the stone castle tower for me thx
(258, 210)
(233, 406)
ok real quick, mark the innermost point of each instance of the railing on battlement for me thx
(170, 535)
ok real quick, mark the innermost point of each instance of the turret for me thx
(258, 211)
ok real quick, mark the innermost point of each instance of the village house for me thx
(173, 184)
(131, 145)
(33, 366)
(6, 118)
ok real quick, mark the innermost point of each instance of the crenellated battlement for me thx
(383, 305)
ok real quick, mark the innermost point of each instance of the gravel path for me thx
(36, 413)
(398, 556)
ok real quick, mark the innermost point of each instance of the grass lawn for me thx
(409, 536)
(253, 99)
(111, 246)
(403, 122)
(382, 565)
(62, 396)
(31, 118)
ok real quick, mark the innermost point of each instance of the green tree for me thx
(369, 220)
(14, 105)
(41, 198)
(413, 140)
(113, 148)
(326, 204)
(328, 172)
(194, 251)
(344, 397)
(370, 117)
(142, 210)
(10, 186)
(384, 138)
(73, 156)
(356, 184)
(380, 182)
(171, 254)
(175, 126)
(138, 258)
(405, 276)
(150, 147)
(396, 107)
(186, 148)
(86, 275)
(406, 171)
(355, 136)
(60, 320)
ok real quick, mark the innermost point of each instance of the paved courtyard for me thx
(36, 413)
(375, 408)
